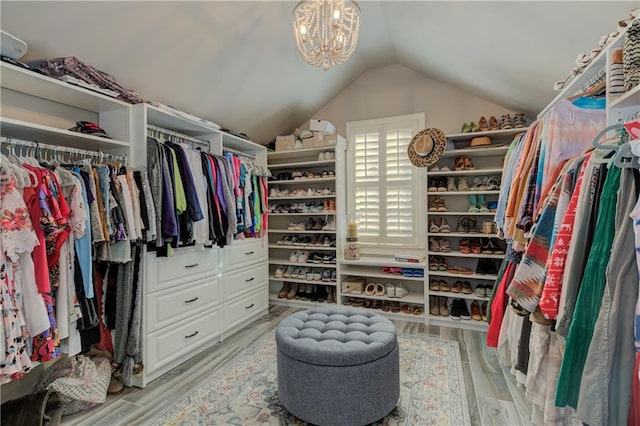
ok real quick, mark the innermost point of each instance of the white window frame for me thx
(384, 244)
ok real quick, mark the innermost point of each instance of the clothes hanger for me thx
(591, 91)
(624, 158)
(596, 140)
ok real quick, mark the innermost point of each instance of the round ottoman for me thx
(338, 366)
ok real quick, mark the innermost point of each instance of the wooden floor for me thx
(494, 398)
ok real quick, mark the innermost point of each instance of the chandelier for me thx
(326, 31)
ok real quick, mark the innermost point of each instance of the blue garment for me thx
(83, 245)
(515, 151)
(193, 205)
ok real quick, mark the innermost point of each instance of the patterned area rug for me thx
(245, 392)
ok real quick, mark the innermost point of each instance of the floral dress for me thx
(16, 236)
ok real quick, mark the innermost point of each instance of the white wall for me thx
(396, 90)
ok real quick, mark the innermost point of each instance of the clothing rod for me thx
(56, 148)
(240, 153)
(171, 133)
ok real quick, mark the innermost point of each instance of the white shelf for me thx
(301, 281)
(41, 86)
(10, 127)
(382, 261)
(462, 213)
(288, 231)
(165, 119)
(471, 135)
(240, 144)
(370, 274)
(473, 276)
(286, 262)
(630, 98)
(395, 315)
(302, 164)
(467, 172)
(462, 193)
(327, 213)
(295, 303)
(305, 247)
(310, 197)
(297, 181)
(460, 323)
(416, 299)
(477, 152)
(454, 253)
(459, 234)
(299, 153)
(452, 295)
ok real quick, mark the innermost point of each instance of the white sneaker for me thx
(321, 156)
(287, 273)
(329, 155)
(391, 290)
(279, 271)
(401, 290)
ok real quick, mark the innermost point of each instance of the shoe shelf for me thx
(472, 172)
(298, 153)
(302, 164)
(458, 234)
(302, 281)
(478, 152)
(455, 253)
(447, 213)
(322, 213)
(463, 276)
(305, 197)
(357, 272)
(461, 193)
(306, 247)
(290, 231)
(295, 303)
(287, 262)
(297, 181)
(452, 295)
(415, 299)
(382, 261)
(468, 324)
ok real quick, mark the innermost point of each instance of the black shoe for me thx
(455, 309)
(322, 294)
(493, 266)
(481, 269)
(314, 294)
(464, 311)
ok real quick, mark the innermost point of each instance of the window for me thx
(384, 189)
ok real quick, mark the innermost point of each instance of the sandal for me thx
(465, 246)
(417, 310)
(444, 225)
(445, 247)
(380, 290)
(468, 164)
(476, 247)
(370, 289)
(433, 226)
(406, 309)
(386, 306)
(434, 245)
(442, 266)
(462, 184)
(433, 264)
(459, 163)
(442, 207)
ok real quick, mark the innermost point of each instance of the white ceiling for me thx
(236, 63)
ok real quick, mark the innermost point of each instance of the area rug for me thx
(244, 392)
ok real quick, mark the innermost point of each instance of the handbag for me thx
(80, 381)
(37, 409)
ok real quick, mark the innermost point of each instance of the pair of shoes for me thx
(475, 311)
(464, 163)
(439, 225)
(493, 123)
(505, 122)
(487, 267)
(483, 126)
(437, 205)
(459, 309)
(463, 287)
(443, 168)
(438, 285)
(375, 289)
(519, 121)
(483, 290)
(437, 263)
(438, 306)
(462, 184)
(396, 290)
(467, 224)
(328, 155)
(438, 184)
(440, 245)
(299, 256)
(412, 272)
(459, 270)
(477, 204)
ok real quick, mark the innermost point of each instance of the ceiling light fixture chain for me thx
(326, 31)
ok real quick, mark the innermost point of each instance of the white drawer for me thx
(244, 307)
(169, 306)
(238, 282)
(244, 253)
(185, 337)
(188, 264)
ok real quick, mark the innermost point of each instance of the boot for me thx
(433, 306)
(442, 306)
(482, 205)
(451, 184)
(473, 204)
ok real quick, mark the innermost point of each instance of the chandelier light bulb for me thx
(326, 31)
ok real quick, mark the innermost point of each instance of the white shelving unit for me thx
(304, 160)
(488, 161)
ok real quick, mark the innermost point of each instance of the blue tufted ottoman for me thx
(338, 366)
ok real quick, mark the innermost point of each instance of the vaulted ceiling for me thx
(236, 62)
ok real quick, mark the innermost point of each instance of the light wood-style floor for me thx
(494, 398)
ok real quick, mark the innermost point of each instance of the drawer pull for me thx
(250, 306)
(249, 253)
(193, 265)
(192, 300)
(249, 280)
(191, 335)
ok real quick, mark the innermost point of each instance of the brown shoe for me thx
(433, 306)
(115, 386)
(442, 306)
(466, 287)
(292, 291)
(284, 290)
(475, 311)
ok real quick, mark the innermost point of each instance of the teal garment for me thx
(589, 296)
